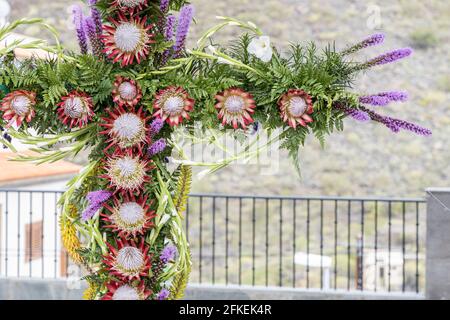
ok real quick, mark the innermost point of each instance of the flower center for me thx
(126, 292)
(234, 104)
(128, 126)
(131, 213)
(130, 3)
(128, 37)
(130, 259)
(127, 91)
(297, 106)
(174, 105)
(21, 105)
(74, 107)
(126, 166)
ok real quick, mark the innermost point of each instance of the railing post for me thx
(438, 244)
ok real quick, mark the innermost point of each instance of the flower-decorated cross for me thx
(123, 97)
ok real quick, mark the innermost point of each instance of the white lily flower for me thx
(261, 48)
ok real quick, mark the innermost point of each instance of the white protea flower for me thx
(126, 92)
(126, 291)
(261, 48)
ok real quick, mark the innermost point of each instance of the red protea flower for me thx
(296, 106)
(126, 173)
(129, 216)
(76, 109)
(127, 39)
(172, 105)
(235, 107)
(18, 106)
(126, 129)
(128, 5)
(128, 261)
(126, 92)
(126, 291)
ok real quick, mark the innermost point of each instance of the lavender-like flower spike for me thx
(387, 58)
(156, 126)
(96, 200)
(96, 16)
(94, 38)
(169, 31)
(373, 40)
(354, 113)
(384, 98)
(78, 21)
(396, 124)
(184, 22)
(157, 147)
(168, 254)
(164, 6)
(163, 294)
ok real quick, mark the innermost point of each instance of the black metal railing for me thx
(328, 243)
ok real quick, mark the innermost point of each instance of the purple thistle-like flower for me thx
(94, 38)
(96, 16)
(156, 126)
(184, 22)
(164, 6)
(157, 147)
(384, 98)
(96, 200)
(163, 294)
(371, 41)
(168, 254)
(388, 58)
(396, 124)
(78, 21)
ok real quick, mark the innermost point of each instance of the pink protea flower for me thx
(235, 107)
(18, 106)
(126, 129)
(127, 39)
(126, 291)
(75, 109)
(128, 5)
(126, 92)
(296, 107)
(173, 104)
(129, 216)
(129, 261)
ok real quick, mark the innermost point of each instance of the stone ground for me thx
(366, 159)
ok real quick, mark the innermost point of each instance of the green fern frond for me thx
(180, 281)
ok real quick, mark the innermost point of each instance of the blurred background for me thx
(366, 159)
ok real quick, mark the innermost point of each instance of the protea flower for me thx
(235, 107)
(126, 291)
(126, 92)
(127, 39)
(76, 109)
(126, 129)
(18, 106)
(125, 172)
(172, 105)
(127, 5)
(130, 216)
(296, 107)
(128, 261)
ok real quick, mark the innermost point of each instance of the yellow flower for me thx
(69, 235)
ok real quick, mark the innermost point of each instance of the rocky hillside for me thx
(366, 159)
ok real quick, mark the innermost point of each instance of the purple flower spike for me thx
(163, 294)
(169, 31)
(373, 40)
(388, 58)
(156, 126)
(96, 200)
(157, 147)
(384, 98)
(94, 39)
(164, 5)
(184, 22)
(78, 21)
(96, 16)
(168, 254)
(354, 113)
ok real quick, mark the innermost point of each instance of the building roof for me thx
(12, 172)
